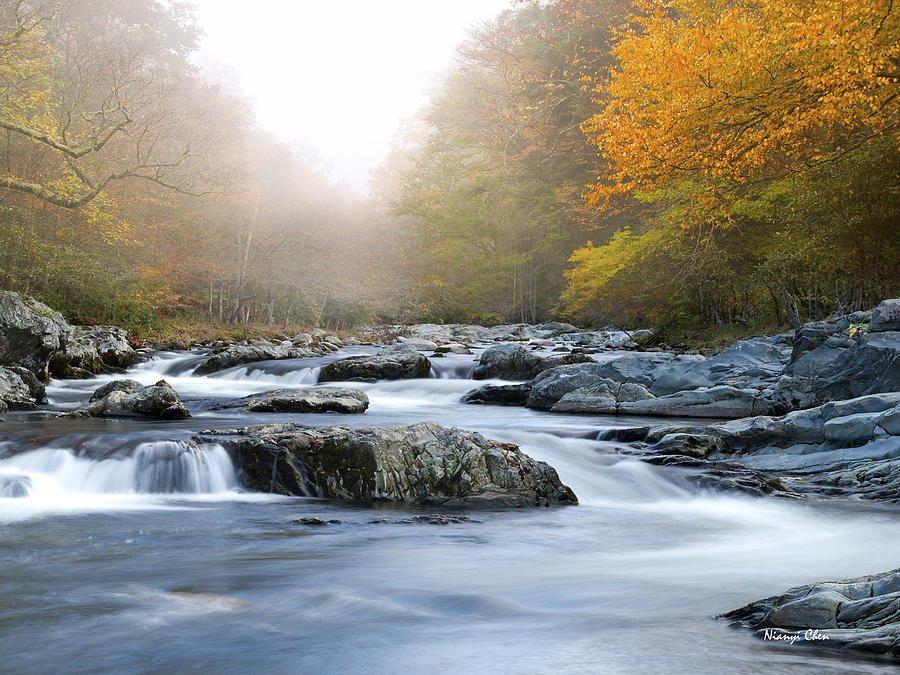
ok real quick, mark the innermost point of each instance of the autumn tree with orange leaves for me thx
(767, 134)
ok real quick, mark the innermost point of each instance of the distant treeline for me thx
(678, 162)
(689, 161)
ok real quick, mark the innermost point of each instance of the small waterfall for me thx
(449, 368)
(158, 467)
(175, 466)
(13, 486)
(297, 376)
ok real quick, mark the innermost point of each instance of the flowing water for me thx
(126, 547)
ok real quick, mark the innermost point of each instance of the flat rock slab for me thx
(860, 616)
(305, 400)
(242, 354)
(423, 463)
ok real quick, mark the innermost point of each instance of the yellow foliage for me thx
(737, 91)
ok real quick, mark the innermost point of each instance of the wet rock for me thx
(30, 333)
(452, 348)
(123, 399)
(124, 386)
(241, 354)
(305, 400)
(604, 397)
(860, 616)
(430, 519)
(839, 449)
(508, 394)
(516, 362)
(317, 522)
(640, 368)
(419, 344)
(15, 394)
(422, 463)
(719, 401)
(394, 362)
(91, 350)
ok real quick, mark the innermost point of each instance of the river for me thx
(125, 549)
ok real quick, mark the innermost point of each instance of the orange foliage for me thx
(738, 91)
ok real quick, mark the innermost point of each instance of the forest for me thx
(683, 164)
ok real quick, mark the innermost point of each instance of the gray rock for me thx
(91, 350)
(886, 316)
(517, 362)
(860, 616)
(305, 400)
(637, 368)
(422, 463)
(752, 361)
(840, 368)
(509, 394)
(125, 386)
(452, 348)
(241, 354)
(603, 397)
(30, 333)
(720, 401)
(420, 344)
(123, 399)
(395, 362)
(15, 394)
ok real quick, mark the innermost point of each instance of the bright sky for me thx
(338, 74)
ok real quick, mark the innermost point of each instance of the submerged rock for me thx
(304, 400)
(395, 362)
(241, 354)
(422, 463)
(128, 398)
(30, 333)
(860, 615)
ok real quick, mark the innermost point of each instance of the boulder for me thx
(91, 350)
(15, 392)
(886, 317)
(127, 398)
(747, 362)
(508, 394)
(860, 616)
(516, 362)
(452, 348)
(603, 397)
(422, 463)
(395, 362)
(839, 368)
(720, 401)
(641, 368)
(419, 344)
(241, 354)
(30, 333)
(305, 400)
